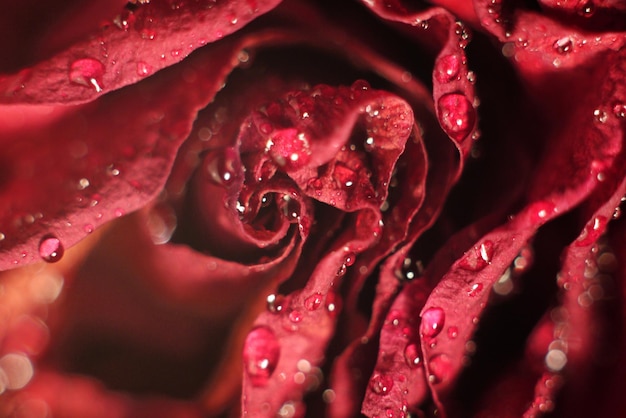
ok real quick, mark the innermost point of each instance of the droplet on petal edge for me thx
(87, 72)
(456, 115)
(432, 322)
(260, 355)
(51, 249)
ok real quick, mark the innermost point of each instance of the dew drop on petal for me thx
(592, 231)
(87, 72)
(289, 149)
(295, 316)
(290, 209)
(478, 257)
(453, 332)
(619, 110)
(260, 355)
(586, 8)
(456, 115)
(563, 45)
(440, 367)
(220, 168)
(313, 302)
(381, 384)
(412, 355)
(51, 249)
(143, 69)
(474, 289)
(447, 68)
(275, 303)
(432, 322)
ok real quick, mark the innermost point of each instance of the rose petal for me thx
(138, 42)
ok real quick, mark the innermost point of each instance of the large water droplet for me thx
(381, 384)
(447, 68)
(260, 355)
(456, 115)
(432, 322)
(51, 249)
(87, 72)
(440, 368)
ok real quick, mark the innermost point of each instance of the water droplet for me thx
(541, 211)
(275, 303)
(432, 322)
(619, 110)
(475, 289)
(295, 316)
(50, 249)
(220, 167)
(88, 228)
(381, 384)
(440, 367)
(143, 69)
(600, 116)
(360, 86)
(592, 231)
(478, 257)
(350, 259)
(453, 332)
(412, 355)
(563, 46)
(314, 301)
(586, 9)
(290, 208)
(463, 33)
(87, 72)
(260, 355)
(289, 148)
(456, 115)
(447, 68)
(333, 303)
(148, 34)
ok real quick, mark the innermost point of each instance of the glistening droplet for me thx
(314, 301)
(447, 68)
(260, 355)
(412, 355)
(87, 72)
(381, 384)
(432, 322)
(50, 249)
(440, 368)
(456, 115)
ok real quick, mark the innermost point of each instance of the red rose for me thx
(312, 209)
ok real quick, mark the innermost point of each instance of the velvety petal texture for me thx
(295, 208)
